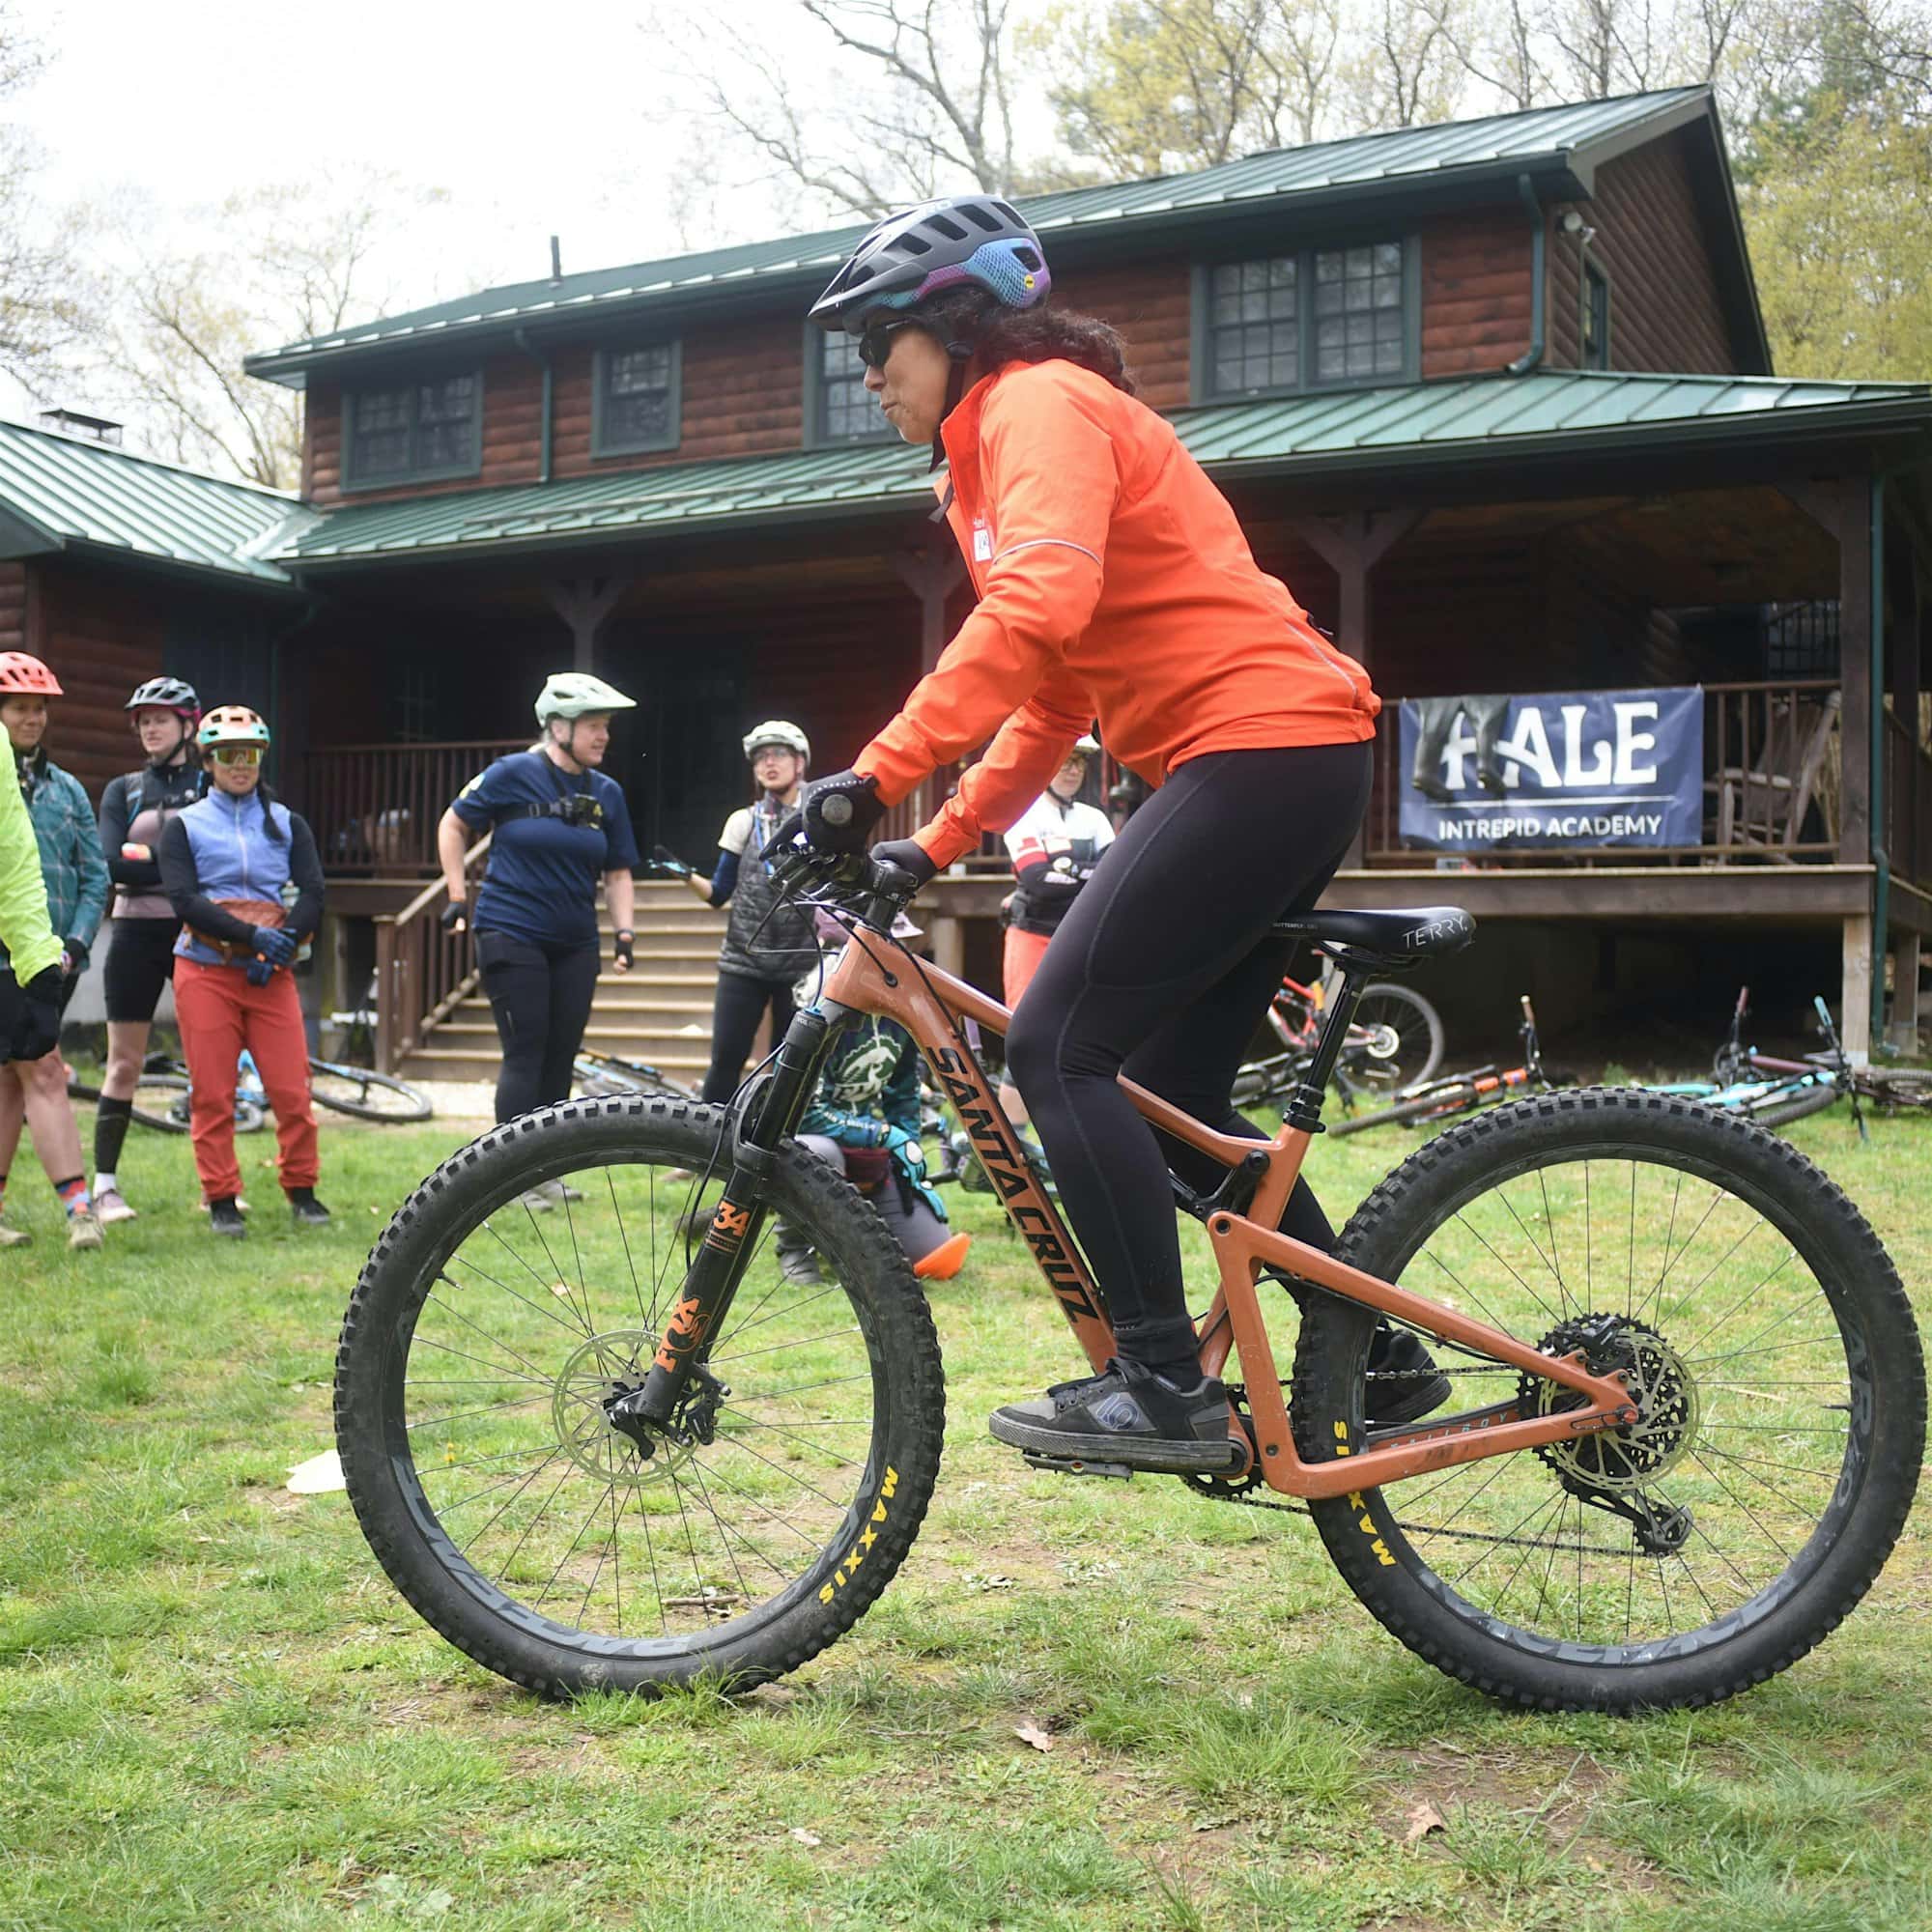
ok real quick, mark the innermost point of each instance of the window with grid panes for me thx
(423, 429)
(846, 414)
(1360, 328)
(1254, 326)
(637, 399)
(1596, 317)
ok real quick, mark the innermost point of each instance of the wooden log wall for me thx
(1666, 314)
(1475, 292)
(12, 607)
(100, 639)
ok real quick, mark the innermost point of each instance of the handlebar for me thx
(874, 892)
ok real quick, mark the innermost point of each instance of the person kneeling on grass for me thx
(865, 1120)
(243, 876)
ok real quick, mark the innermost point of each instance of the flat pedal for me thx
(1074, 1466)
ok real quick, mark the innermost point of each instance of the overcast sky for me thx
(534, 120)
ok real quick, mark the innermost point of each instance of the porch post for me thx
(932, 576)
(1904, 644)
(583, 604)
(1352, 546)
(1843, 507)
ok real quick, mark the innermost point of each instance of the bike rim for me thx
(1397, 1048)
(348, 1087)
(1756, 1411)
(541, 1511)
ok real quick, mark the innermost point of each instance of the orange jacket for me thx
(1114, 583)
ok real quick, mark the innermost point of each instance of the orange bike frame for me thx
(873, 977)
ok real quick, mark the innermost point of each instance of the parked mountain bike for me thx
(162, 1097)
(1770, 1091)
(595, 1453)
(1394, 1045)
(351, 1086)
(1465, 1093)
(599, 1073)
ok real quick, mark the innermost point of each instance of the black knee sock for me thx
(110, 1129)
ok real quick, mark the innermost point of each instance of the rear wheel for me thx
(365, 1094)
(486, 1339)
(1778, 1377)
(1404, 1039)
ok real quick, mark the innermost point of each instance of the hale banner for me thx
(1571, 768)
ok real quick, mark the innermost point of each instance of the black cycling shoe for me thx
(308, 1211)
(226, 1218)
(1129, 1416)
(1409, 1384)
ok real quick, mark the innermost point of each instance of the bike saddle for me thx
(1385, 940)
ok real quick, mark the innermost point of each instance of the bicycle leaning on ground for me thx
(595, 1453)
(1394, 1044)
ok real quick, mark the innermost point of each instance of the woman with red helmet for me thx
(242, 873)
(33, 1092)
(135, 810)
(1113, 582)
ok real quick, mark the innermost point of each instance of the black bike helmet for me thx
(176, 693)
(938, 244)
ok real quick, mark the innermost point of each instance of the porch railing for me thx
(421, 970)
(373, 807)
(1908, 801)
(1755, 739)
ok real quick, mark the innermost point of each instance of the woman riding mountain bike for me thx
(1115, 583)
(136, 811)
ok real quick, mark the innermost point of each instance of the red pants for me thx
(219, 1013)
(1024, 951)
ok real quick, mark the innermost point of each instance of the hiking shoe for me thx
(83, 1229)
(110, 1207)
(308, 1211)
(225, 1218)
(798, 1263)
(547, 1196)
(1405, 1384)
(1128, 1415)
(12, 1237)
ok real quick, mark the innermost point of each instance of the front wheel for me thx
(365, 1094)
(497, 1319)
(1778, 1374)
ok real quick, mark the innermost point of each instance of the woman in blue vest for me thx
(241, 874)
(561, 828)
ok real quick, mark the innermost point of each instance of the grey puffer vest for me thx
(785, 947)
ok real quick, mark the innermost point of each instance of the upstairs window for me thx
(416, 433)
(636, 402)
(1316, 319)
(1596, 317)
(837, 407)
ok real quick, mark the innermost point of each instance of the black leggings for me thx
(541, 998)
(735, 1014)
(1163, 969)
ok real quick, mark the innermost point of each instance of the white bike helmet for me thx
(576, 694)
(779, 731)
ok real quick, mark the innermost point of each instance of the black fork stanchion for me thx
(731, 1234)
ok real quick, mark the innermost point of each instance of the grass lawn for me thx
(214, 1712)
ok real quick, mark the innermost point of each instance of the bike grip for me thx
(1528, 1012)
(836, 809)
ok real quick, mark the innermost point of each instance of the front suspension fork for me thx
(705, 1298)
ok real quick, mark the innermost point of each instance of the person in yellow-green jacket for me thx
(30, 985)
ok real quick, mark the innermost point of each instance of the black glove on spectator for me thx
(839, 810)
(77, 955)
(664, 864)
(625, 949)
(455, 916)
(908, 855)
(30, 1016)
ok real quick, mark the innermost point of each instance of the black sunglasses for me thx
(875, 341)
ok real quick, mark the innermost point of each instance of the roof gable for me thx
(1562, 145)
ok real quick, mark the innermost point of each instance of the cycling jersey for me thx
(1053, 847)
(24, 930)
(135, 810)
(1113, 582)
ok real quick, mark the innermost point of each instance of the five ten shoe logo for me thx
(1119, 1412)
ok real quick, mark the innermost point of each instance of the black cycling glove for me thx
(455, 916)
(76, 954)
(838, 812)
(664, 864)
(624, 949)
(908, 855)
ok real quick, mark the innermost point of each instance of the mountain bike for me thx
(1394, 1044)
(162, 1097)
(595, 1453)
(1465, 1093)
(1770, 1091)
(598, 1074)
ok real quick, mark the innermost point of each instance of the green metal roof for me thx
(1570, 141)
(1414, 426)
(61, 491)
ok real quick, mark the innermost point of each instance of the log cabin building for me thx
(1493, 398)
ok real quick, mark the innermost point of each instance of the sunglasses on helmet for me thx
(875, 342)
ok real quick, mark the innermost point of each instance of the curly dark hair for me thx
(999, 334)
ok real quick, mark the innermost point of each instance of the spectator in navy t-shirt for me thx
(560, 827)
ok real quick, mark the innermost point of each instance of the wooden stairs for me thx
(660, 1011)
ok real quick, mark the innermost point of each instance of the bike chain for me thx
(1220, 1490)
